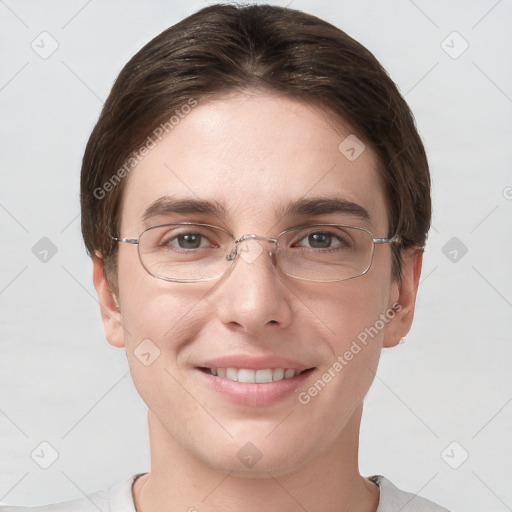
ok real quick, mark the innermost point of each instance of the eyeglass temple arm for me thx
(393, 239)
(125, 240)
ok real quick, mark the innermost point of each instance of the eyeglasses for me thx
(186, 252)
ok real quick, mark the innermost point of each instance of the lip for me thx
(254, 394)
(254, 362)
(257, 394)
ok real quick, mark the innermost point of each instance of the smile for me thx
(251, 376)
(254, 387)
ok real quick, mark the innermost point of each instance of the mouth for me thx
(253, 376)
(255, 387)
(254, 380)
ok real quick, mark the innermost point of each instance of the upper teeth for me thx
(251, 376)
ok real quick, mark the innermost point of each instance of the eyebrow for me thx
(167, 204)
(303, 207)
(325, 205)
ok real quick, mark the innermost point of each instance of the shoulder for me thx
(116, 499)
(393, 499)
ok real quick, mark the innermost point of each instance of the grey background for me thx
(62, 383)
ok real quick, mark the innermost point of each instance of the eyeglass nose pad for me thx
(232, 255)
(273, 252)
(235, 251)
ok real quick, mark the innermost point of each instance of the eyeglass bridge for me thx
(232, 255)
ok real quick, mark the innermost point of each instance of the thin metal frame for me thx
(238, 240)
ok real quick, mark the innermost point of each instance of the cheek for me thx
(158, 317)
(351, 307)
(158, 325)
(355, 313)
(149, 306)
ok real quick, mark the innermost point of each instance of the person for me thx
(255, 199)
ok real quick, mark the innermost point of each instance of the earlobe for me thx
(407, 290)
(109, 305)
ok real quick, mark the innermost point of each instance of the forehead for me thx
(253, 155)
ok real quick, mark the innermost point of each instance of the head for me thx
(249, 109)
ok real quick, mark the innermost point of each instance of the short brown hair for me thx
(224, 48)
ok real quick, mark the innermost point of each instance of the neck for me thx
(179, 481)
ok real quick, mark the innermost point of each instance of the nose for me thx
(253, 297)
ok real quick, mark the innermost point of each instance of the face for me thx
(254, 155)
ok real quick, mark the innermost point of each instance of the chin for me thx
(248, 461)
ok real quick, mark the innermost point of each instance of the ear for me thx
(110, 311)
(407, 288)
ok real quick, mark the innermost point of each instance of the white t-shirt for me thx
(119, 499)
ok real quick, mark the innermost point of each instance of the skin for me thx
(254, 152)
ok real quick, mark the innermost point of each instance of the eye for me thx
(324, 240)
(186, 241)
